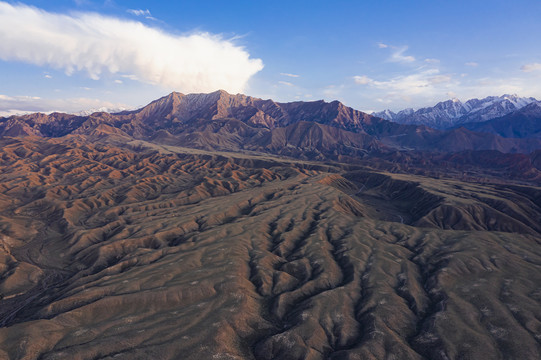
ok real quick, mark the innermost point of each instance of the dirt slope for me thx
(131, 253)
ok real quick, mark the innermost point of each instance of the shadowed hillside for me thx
(524, 123)
(128, 250)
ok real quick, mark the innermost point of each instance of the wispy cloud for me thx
(144, 13)
(428, 83)
(439, 79)
(398, 55)
(17, 105)
(415, 83)
(96, 44)
(400, 91)
(286, 83)
(139, 12)
(333, 91)
(290, 75)
(362, 80)
(531, 67)
(130, 77)
(425, 87)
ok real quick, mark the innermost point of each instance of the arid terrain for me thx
(121, 244)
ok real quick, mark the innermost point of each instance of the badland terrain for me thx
(219, 226)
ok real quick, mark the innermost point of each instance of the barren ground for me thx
(137, 253)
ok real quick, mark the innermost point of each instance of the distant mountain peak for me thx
(453, 112)
(101, 109)
(175, 95)
(522, 123)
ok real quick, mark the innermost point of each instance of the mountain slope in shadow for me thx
(142, 251)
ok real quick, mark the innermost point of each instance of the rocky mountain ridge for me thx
(320, 233)
(238, 122)
(453, 112)
(523, 123)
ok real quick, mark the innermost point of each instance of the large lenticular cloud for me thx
(97, 44)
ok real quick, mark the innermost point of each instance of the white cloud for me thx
(422, 81)
(286, 83)
(130, 77)
(139, 12)
(47, 76)
(290, 75)
(16, 105)
(96, 44)
(362, 80)
(531, 67)
(333, 92)
(398, 55)
(384, 100)
(427, 87)
(119, 81)
(439, 79)
(497, 86)
(417, 87)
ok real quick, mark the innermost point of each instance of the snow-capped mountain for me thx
(523, 123)
(453, 112)
(101, 109)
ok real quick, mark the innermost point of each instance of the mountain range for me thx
(453, 113)
(219, 226)
(522, 123)
(231, 122)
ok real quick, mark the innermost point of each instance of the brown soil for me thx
(130, 252)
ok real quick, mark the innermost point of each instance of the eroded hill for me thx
(135, 252)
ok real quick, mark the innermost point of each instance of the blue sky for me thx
(85, 54)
